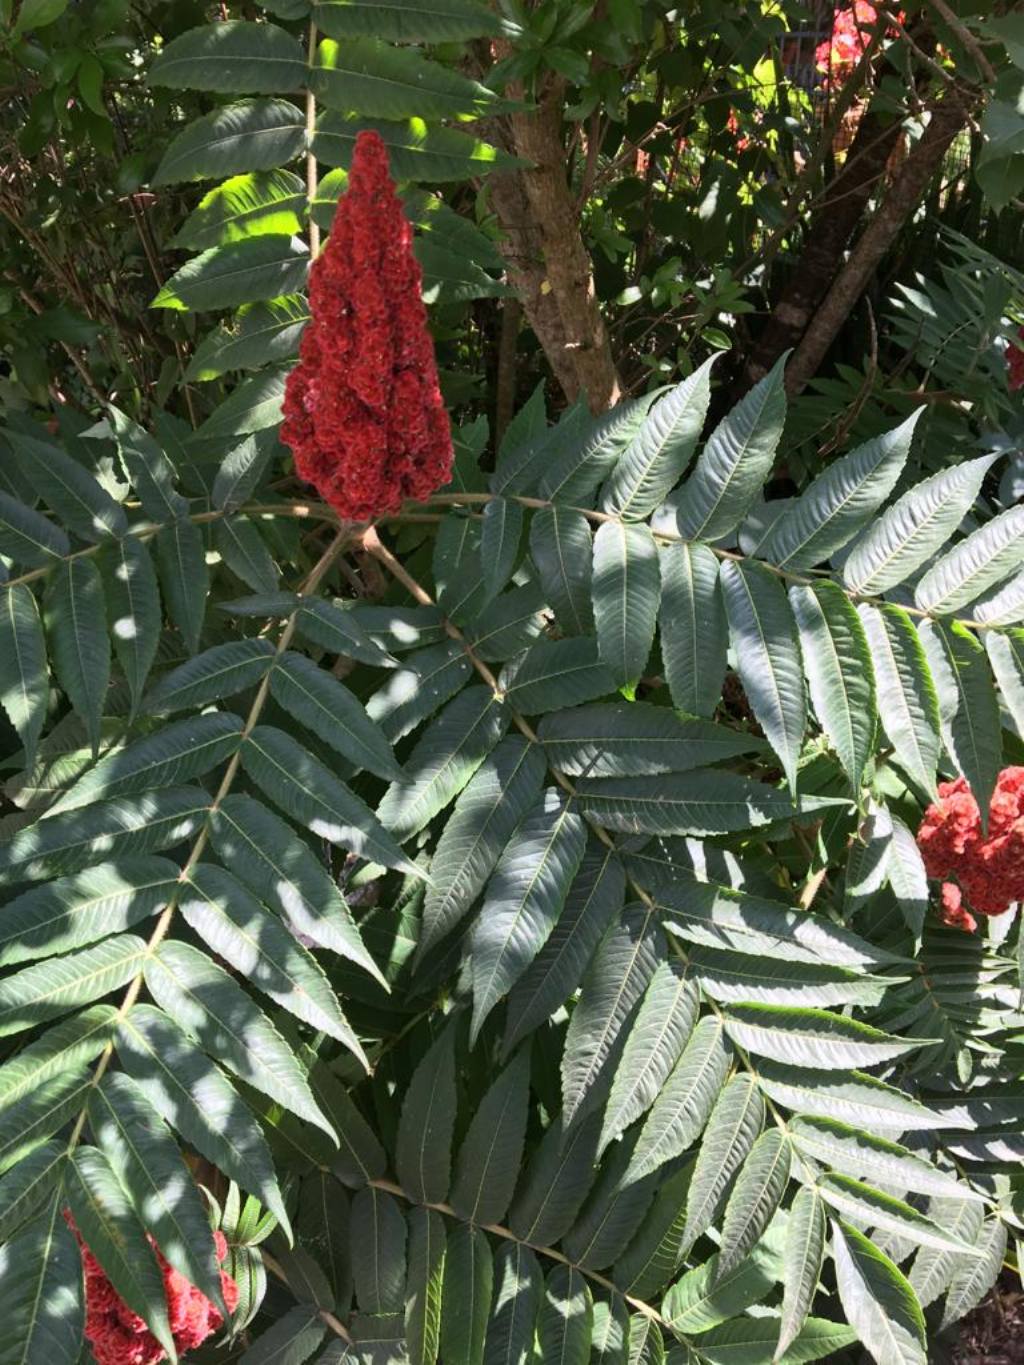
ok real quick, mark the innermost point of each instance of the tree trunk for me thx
(949, 113)
(841, 209)
(547, 261)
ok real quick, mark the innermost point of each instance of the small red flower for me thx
(363, 412)
(837, 56)
(1015, 365)
(117, 1336)
(988, 869)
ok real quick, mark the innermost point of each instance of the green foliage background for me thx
(509, 915)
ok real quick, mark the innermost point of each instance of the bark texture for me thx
(841, 210)
(543, 248)
(949, 113)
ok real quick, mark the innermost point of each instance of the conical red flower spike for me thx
(363, 410)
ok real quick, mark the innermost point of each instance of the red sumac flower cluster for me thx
(363, 410)
(980, 872)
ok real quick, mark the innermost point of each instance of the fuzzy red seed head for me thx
(117, 1336)
(363, 412)
(984, 870)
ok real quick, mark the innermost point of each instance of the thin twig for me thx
(966, 37)
(311, 173)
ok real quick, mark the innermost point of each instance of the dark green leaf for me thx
(764, 637)
(149, 468)
(244, 934)
(884, 1213)
(416, 151)
(213, 1008)
(705, 801)
(184, 578)
(566, 1318)
(485, 815)
(73, 911)
(719, 917)
(133, 608)
(426, 1281)
(694, 630)
(307, 790)
(523, 899)
(443, 761)
(41, 1292)
(29, 538)
(381, 81)
(840, 501)
(553, 674)
(811, 1037)
(499, 542)
(378, 1251)
(731, 1133)
(734, 463)
(147, 1162)
(274, 863)
(922, 520)
(682, 1108)
(219, 672)
(556, 1182)
(659, 452)
(636, 740)
(972, 730)
(48, 989)
(244, 206)
(837, 661)
(244, 551)
(250, 271)
(983, 559)
(468, 1276)
(232, 56)
(81, 503)
(488, 1162)
(595, 896)
(973, 1278)
(417, 690)
(250, 135)
(802, 1256)
(561, 546)
(24, 689)
(518, 1287)
(853, 1097)
(423, 1157)
(403, 22)
(111, 829)
(174, 755)
(612, 988)
(321, 703)
(76, 624)
(908, 705)
(291, 1340)
(626, 592)
(25, 1187)
(656, 1039)
(194, 1096)
(877, 1299)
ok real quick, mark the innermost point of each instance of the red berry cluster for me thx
(987, 870)
(118, 1336)
(1015, 365)
(363, 409)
